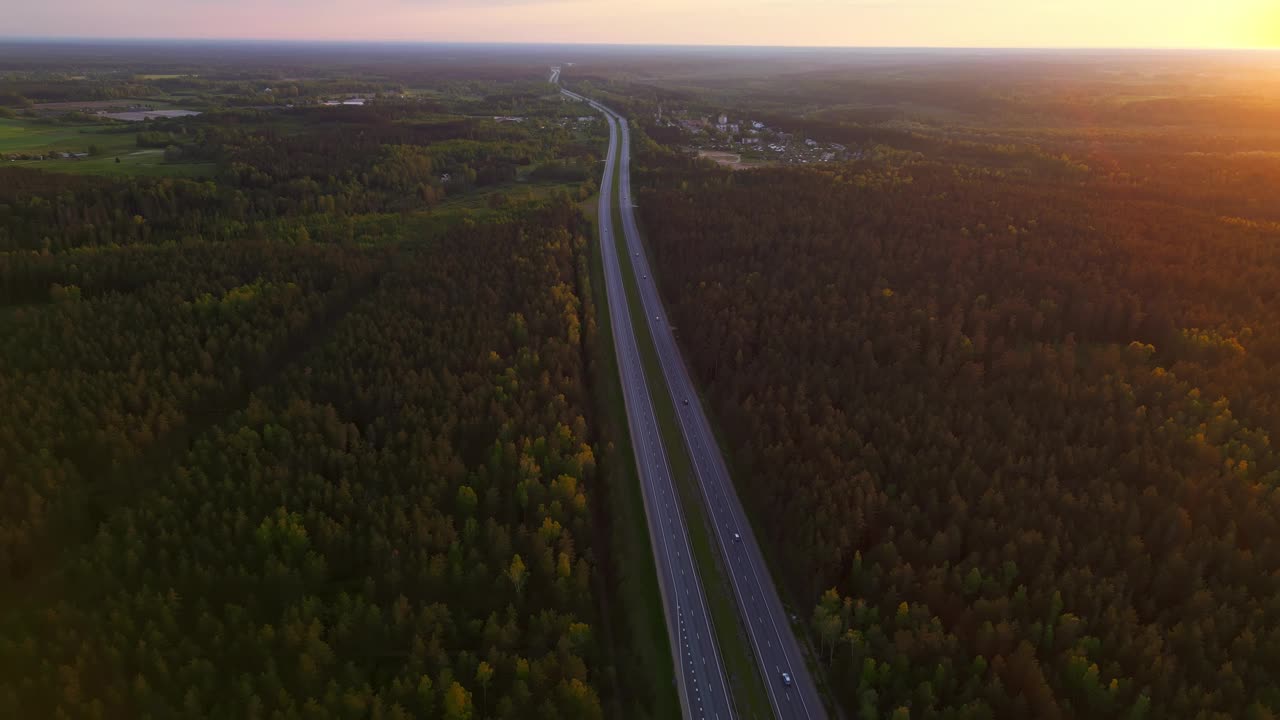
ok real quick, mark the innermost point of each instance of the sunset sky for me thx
(934, 23)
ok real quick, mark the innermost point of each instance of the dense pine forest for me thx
(305, 432)
(1011, 412)
(398, 524)
(304, 411)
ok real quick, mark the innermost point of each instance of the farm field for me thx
(112, 140)
(18, 135)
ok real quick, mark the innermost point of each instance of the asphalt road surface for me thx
(701, 680)
(767, 622)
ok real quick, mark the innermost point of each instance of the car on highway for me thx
(737, 537)
(786, 679)
(685, 401)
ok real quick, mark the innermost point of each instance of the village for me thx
(742, 142)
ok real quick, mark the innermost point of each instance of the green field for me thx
(25, 136)
(30, 137)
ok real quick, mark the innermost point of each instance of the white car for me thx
(786, 679)
(737, 537)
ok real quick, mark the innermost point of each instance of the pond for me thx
(139, 115)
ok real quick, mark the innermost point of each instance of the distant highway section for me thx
(701, 679)
(788, 681)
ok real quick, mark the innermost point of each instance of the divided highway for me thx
(701, 678)
(788, 682)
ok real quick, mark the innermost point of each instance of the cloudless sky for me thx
(934, 23)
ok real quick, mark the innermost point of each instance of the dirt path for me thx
(727, 159)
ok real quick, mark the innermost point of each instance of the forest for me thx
(397, 525)
(310, 434)
(304, 412)
(1011, 409)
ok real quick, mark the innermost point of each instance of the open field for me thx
(25, 136)
(733, 161)
(148, 162)
(33, 138)
(727, 159)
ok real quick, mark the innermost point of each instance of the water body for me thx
(139, 115)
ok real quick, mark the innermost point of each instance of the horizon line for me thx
(580, 43)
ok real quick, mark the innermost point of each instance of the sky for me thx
(893, 23)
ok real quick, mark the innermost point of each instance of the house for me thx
(810, 142)
(735, 128)
(723, 120)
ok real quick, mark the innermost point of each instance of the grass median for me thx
(749, 696)
(644, 670)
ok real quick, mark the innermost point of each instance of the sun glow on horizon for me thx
(895, 23)
(1267, 29)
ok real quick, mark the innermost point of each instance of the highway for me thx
(773, 642)
(701, 679)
